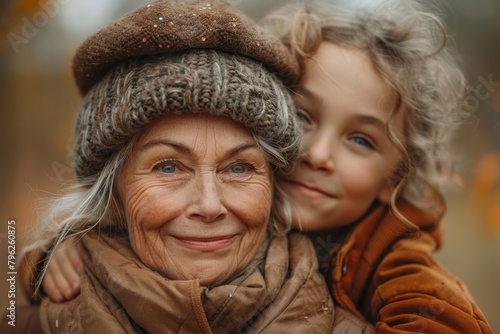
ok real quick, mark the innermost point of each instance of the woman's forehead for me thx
(189, 131)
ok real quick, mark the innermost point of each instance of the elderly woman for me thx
(182, 228)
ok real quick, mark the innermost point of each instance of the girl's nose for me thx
(318, 154)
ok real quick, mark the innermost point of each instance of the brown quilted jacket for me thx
(118, 294)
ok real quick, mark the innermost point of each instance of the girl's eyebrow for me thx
(302, 92)
(371, 120)
(181, 148)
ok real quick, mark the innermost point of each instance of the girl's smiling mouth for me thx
(308, 190)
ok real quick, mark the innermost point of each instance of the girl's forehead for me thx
(337, 72)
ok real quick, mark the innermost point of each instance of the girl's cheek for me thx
(361, 181)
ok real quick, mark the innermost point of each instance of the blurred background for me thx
(39, 101)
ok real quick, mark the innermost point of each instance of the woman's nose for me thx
(207, 205)
(318, 154)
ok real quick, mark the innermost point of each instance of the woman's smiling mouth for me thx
(205, 244)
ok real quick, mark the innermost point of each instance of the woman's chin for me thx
(207, 272)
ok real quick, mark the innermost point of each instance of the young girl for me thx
(379, 95)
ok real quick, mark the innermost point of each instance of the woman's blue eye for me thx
(169, 168)
(238, 169)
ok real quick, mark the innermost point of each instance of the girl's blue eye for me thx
(168, 168)
(238, 169)
(303, 116)
(362, 141)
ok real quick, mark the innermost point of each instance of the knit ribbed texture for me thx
(210, 82)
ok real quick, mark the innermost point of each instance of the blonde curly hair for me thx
(408, 47)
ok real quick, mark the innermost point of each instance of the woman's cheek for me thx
(148, 208)
(148, 196)
(146, 213)
(251, 202)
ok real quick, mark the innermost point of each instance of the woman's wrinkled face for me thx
(197, 194)
(348, 161)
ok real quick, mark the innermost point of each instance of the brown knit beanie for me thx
(174, 57)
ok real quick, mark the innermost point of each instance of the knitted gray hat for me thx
(175, 57)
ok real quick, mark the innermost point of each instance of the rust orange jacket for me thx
(385, 272)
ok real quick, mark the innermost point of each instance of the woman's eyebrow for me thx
(184, 149)
(238, 149)
(164, 142)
